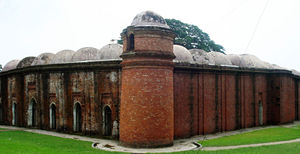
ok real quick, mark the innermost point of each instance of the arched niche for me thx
(14, 114)
(77, 118)
(107, 121)
(52, 116)
(32, 113)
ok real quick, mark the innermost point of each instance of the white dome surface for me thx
(43, 59)
(111, 51)
(86, 54)
(274, 66)
(295, 72)
(64, 56)
(11, 65)
(27, 61)
(235, 59)
(201, 57)
(219, 58)
(251, 61)
(182, 54)
(149, 18)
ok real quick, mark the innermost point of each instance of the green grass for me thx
(297, 126)
(258, 136)
(290, 148)
(26, 142)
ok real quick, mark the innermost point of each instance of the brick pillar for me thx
(147, 112)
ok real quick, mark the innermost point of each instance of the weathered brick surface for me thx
(147, 106)
(82, 84)
(287, 100)
(229, 105)
(273, 103)
(217, 102)
(210, 107)
(61, 89)
(147, 101)
(261, 95)
(108, 94)
(31, 93)
(185, 104)
(153, 43)
(11, 95)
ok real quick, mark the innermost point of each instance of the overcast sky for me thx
(32, 27)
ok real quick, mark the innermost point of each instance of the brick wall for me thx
(287, 99)
(205, 101)
(208, 102)
(147, 106)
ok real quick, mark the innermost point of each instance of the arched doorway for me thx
(77, 117)
(32, 113)
(14, 114)
(107, 121)
(52, 116)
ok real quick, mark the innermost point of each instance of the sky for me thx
(268, 29)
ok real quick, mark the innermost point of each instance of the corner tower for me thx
(147, 112)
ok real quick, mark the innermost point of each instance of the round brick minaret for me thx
(146, 112)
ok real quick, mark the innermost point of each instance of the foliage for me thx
(0, 67)
(258, 136)
(191, 37)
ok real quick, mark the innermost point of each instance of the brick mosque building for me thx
(147, 92)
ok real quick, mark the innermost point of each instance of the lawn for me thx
(297, 126)
(26, 142)
(258, 136)
(290, 148)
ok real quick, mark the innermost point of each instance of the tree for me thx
(191, 37)
(0, 67)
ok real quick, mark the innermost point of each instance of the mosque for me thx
(148, 91)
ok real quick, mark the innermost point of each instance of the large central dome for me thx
(149, 18)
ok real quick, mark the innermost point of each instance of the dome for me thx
(274, 66)
(43, 59)
(182, 54)
(111, 51)
(201, 56)
(64, 56)
(149, 18)
(295, 72)
(87, 53)
(219, 58)
(27, 61)
(11, 65)
(235, 59)
(252, 61)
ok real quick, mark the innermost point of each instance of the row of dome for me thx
(113, 52)
(199, 56)
(108, 52)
